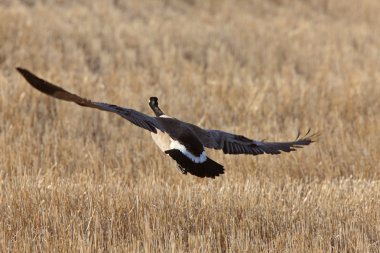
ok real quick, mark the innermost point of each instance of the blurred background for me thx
(264, 69)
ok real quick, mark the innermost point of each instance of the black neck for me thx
(156, 110)
(153, 103)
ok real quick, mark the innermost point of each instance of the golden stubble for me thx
(76, 179)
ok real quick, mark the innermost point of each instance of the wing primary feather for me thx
(133, 116)
(298, 134)
(237, 144)
(307, 132)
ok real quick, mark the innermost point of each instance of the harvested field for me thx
(75, 179)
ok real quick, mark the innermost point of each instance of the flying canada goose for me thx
(182, 141)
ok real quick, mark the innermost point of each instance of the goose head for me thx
(153, 103)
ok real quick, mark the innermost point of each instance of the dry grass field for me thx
(75, 179)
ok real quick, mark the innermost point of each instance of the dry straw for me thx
(75, 179)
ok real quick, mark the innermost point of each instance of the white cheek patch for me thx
(197, 159)
(164, 116)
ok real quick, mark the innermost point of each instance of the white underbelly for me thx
(162, 140)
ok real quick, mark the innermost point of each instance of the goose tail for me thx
(208, 168)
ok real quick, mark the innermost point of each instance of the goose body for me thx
(182, 141)
(182, 145)
(195, 150)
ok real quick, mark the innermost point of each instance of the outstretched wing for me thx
(238, 144)
(135, 117)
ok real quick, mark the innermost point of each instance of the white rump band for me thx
(197, 159)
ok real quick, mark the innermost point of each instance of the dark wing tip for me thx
(305, 140)
(38, 83)
(275, 148)
(21, 70)
(310, 137)
(51, 89)
(25, 73)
